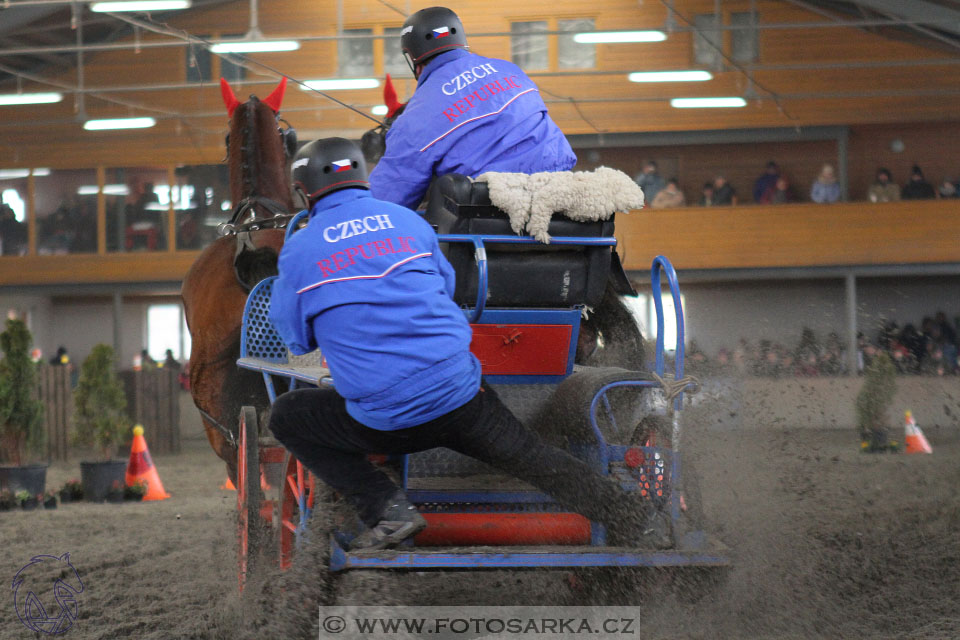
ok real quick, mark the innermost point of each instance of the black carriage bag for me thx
(520, 275)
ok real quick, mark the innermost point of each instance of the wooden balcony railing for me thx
(793, 235)
(800, 235)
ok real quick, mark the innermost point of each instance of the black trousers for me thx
(314, 425)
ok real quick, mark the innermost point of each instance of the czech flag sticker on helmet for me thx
(341, 165)
(441, 32)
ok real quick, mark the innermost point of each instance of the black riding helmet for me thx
(429, 32)
(327, 165)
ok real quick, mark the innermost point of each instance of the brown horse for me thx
(215, 289)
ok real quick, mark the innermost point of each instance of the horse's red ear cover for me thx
(229, 98)
(390, 98)
(274, 99)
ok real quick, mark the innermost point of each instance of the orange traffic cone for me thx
(228, 483)
(141, 469)
(915, 440)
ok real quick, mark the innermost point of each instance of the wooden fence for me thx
(153, 401)
(55, 393)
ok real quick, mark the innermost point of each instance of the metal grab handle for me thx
(661, 263)
(294, 222)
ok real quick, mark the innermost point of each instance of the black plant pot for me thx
(50, 502)
(31, 477)
(30, 504)
(65, 497)
(99, 477)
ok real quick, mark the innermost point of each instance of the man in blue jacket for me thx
(469, 115)
(366, 283)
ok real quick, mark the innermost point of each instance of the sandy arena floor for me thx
(826, 542)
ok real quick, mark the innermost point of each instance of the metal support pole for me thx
(851, 306)
(843, 160)
(117, 323)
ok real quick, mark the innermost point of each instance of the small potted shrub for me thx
(873, 401)
(135, 491)
(26, 500)
(101, 422)
(7, 500)
(50, 499)
(72, 491)
(21, 425)
(116, 492)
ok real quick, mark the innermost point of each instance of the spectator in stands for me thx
(723, 193)
(650, 181)
(780, 193)
(947, 189)
(866, 352)
(948, 340)
(743, 357)
(884, 189)
(825, 188)
(831, 360)
(61, 358)
(670, 196)
(146, 361)
(696, 359)
(766, 181)
(723, 362)
(933, 363)
(914, 342)
(169, 362)
(13, 233)
(707, 198)
(918, 188)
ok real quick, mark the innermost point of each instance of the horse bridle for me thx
(243, 220)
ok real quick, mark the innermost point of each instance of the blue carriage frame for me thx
(262, 350)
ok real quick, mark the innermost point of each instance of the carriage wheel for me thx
(297, 495)
(248, 493)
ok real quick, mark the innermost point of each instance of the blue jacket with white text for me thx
(365, 282)
(469, 115)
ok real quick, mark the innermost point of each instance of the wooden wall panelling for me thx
(200, 139)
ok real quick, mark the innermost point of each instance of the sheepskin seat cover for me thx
(531, 200)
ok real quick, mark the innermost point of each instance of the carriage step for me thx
(525, 556)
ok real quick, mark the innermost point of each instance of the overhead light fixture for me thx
(611, 37)
(670, 76)
(108, 189)
(255, 46)
(707, 103)
(29, 98)
(380, 110)
(12, 174)
(119, 123)
(142, 5)
(340, 83)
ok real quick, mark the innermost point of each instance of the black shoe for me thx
(398, 522)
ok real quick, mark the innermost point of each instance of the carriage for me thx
(525, 301)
